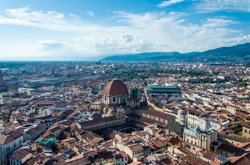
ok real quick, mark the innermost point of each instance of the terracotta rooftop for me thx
(136, 148)
(235, 138)
(5, 139)
(11, 136)
(243, 159)
(193, 160)
(115, 87)
(20, 154)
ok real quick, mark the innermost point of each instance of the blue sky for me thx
(89, 29)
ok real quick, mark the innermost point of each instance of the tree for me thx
(134, 93)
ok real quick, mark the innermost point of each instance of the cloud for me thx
(90, 13)
(218, 22)
(119, 46)
(24, 16)
(56, 50)
(224, 5)
(33, 16)
(131, 33)
(50, 45)
(127, 38)
(168, 32)
(239, 39)
(49, 20)
(169, 3)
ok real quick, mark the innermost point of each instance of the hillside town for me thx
(72, 113)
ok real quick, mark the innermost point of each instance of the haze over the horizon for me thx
(86, 29)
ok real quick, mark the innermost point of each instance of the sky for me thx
(90, 29)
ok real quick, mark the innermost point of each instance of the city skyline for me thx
(86, 30)
(64, 113)
(124, 82)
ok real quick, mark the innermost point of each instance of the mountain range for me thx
(237, 53)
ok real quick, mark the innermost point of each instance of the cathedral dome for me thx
(115, 87)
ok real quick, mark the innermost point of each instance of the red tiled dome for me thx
(115, 87)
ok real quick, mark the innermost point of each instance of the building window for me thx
(113, 99)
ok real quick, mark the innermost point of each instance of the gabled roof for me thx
(20, 154)
(6, 139)
(11, 136)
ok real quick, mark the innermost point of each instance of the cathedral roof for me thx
(115, 87)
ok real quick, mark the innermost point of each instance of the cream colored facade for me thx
(246, 132)
(134, 155)
(196, 120)
(231, 109)
(114, 100)
(247, 106)
(193, 120)
(175, 151)
(196, 140)
(236, 143)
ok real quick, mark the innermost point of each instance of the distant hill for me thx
(237, 53)
(229, 54)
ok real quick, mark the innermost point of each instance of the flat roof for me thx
(162, 89)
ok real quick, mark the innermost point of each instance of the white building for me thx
(196, 139)
(197, 119)
(8, 143)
